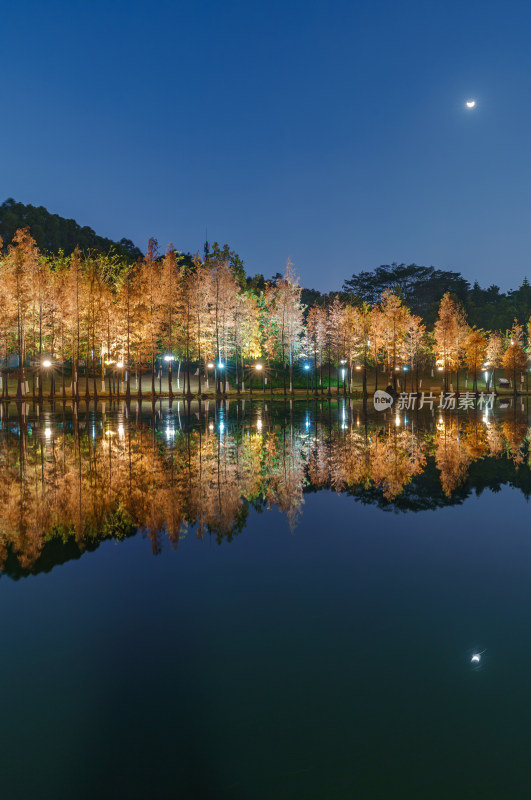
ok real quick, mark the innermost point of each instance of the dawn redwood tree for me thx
(475, 351)
(151, 272)
(75, 292)
(394, 316)
(169, 287)
(316, 338)
(222, 302)
(414, 346)
(22, 262)
(335, 336)
(286, 307)
(514, 361)
(494, 354)
(448, 335)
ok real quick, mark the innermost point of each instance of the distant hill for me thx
(53, 233)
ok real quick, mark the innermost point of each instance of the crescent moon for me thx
(470, 103)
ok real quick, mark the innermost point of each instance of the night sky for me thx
(333, 133)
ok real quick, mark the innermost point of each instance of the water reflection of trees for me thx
(69, 482)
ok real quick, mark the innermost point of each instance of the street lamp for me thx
(307, 371)
(46, 364)
(119, 366)
(260, 368)
(219, 366)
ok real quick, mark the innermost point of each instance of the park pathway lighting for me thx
(307, 371)
(168, 358)
(47, 364)
(219, 366)
(260, 369)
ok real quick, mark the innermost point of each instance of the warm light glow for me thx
(110, 361)
(119, 364)
(169, 357)
(397, 419)
(48, 433)
(121, 431)
(343, 361)
(258, 367)
(211, 426)
(259, 424)
(440, 369)
(46, 363)
(358, 366)
(210, 365)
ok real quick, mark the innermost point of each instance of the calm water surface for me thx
(265, 602)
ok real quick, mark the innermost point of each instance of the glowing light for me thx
(46, 363)
(121, 431)
(476, 658)
(258, 367)
(343, 361)
(221, 365)
(210, 365)
(369, 342)
(259, 424)
(119, 364)
(211, 426)
(470, 103)
(306, 366)
(397, 419)
(441, 420)
(109, 433)
(358, 366)
(440, 369)
(221, 427)
(343, 373)
(169, 357)
(48, 433)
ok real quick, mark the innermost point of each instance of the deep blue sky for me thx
(333, 133)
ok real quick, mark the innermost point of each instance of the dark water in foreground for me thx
(265, 603)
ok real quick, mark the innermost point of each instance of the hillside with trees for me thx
(53, 233)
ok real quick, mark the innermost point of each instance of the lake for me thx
(287, 600)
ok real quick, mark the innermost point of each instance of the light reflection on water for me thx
(71, 478)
